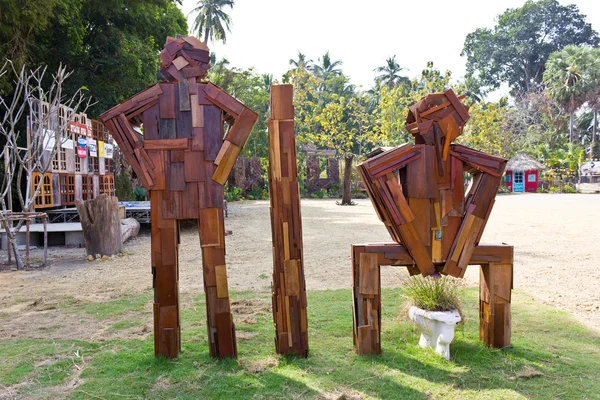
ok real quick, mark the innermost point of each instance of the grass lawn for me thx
(552, 357)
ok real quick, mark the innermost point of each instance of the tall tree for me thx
(111, 49)
(389, 74)
(302, 62)
(327, 68)
(212, 22)
(516, 49)
(569, 79)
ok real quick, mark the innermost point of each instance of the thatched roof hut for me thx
(522, 162)
(522, 173)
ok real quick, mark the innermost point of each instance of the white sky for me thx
(267, 33)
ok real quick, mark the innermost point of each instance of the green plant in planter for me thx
(432, 293)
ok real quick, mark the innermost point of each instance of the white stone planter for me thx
(437, 328)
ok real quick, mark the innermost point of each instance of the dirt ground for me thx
(556, 239)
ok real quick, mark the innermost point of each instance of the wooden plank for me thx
(292, 280)
(404, 209)
(175, 177)
(227, 157)
(197, 142)
(166, 144)
(458, 106)
(422, 218)
(282, 106)
(210, 227)
(167, 128)
(239, 132)
(194, 166)
(167, 101)
(369, 274)
(213, 132)
(180, 62)
(416, 249)
(226, 345)
(183, 95)
(150, 120)
(177, 155)
(221, 281)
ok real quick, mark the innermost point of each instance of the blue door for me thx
(518, 182)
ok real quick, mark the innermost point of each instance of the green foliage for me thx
(140, 194)
(252, 89)
(432, 293)
(123, 189)
(516, 49)
(232, 193)
(392, 108)
(111, 47)
(487, 130)
(571, 76)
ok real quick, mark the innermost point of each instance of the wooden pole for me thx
(289, 288)
(27, 222)
(45, 219)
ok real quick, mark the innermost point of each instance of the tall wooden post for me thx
(289, 288)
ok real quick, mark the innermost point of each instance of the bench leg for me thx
(366, 290)
(495, 286)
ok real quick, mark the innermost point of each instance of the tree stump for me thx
(101, 225)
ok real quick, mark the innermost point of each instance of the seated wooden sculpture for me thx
(418, 189)
(183, 158)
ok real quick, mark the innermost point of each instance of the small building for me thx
(82, 167)
(522, 174)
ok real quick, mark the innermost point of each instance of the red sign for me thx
(79, 129)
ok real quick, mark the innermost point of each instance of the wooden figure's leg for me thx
(221, 330)
(165, 271)
(367, 301)
(494, 304)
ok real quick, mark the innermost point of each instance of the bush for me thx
(140, 194)
(123, 189)
(433, 293)
(232, 193)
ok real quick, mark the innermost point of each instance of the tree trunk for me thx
(594, 129)
(571, 127)
(347, 194)
(101, 225)
(130, 228)
(206, 32)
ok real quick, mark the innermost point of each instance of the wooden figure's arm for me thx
(131, 143)
(479, 203)
(237, 135)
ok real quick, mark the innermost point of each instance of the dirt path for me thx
(556, 239)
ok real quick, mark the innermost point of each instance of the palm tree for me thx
(389, 74)
(568, 80)
(212, 20)
(302, 62)
(267, 81)
(327, 67)
(594, 99)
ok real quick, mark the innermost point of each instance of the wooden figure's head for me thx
(184, 57)
(437, 119)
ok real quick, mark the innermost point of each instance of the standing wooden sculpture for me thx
(418, 193)
(183, 159)
(289, 289)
